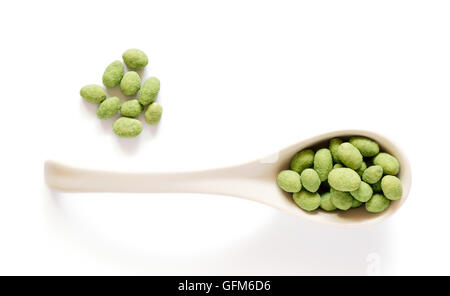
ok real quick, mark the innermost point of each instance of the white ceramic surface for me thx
(255, 180)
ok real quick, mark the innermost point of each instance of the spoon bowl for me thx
(255, 180)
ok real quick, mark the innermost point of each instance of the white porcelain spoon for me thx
(255, 180)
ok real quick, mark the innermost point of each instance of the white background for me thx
(239, 80)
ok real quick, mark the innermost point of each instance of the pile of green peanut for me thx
(127, 126)
(345, 175)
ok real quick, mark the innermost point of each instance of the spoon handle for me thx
(239, 180)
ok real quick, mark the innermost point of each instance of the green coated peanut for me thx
(108, 108)
(153, 113)
(325, 202)
(334, 145)
(377, 187)
(344, 179)
(367, 147)
(135, 59)
(307, 200)
(131, 108)
(356, 203)
(350, 156)
(389, 163)
(113, 74)
(302, 160)
(130, 84)
(391, 187)
(377, 204)
(361, 170)
(372, 174)
(338, 166)
(341, 200)
(323, 163)
(93, 93)
(350, 173)
(310, 180)
(149, 91)
(363, 193)
(127, 127)
(289, 181)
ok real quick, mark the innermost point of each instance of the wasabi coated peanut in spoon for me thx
(344, 179)
(339, 170)
(377, 204)
(341, 200)
(361, 170)
(289, 181)
(372, 174)
(323, 163)
(367, 147)
(391, 187)
(310, 180)
(302, 160)
(334, 145)
(325, 202)
(363, 193)
(307, 200)
(350, 156)
(388, 162)
(356, 203)
(377, 187)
